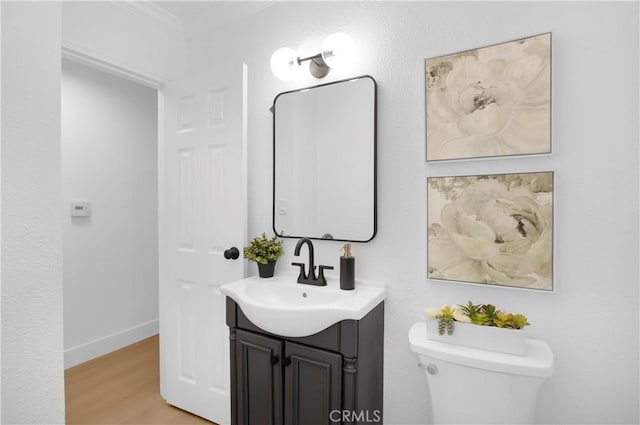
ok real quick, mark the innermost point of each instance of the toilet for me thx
(473, 386)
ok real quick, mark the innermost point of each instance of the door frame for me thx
(78, 54)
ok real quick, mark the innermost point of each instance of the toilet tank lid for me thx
(537, 361)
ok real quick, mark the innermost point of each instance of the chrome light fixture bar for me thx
(337, 50)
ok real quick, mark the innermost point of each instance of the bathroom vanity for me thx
(330, 376)
(304, 351)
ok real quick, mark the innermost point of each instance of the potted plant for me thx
(477, 325)
(264, 252)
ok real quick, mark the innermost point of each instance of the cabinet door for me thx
(259, 379)
(313, 385)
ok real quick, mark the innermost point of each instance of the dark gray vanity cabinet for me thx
(272, 374)
(258, 378)
(332, 377)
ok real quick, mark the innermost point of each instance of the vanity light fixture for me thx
(337, 50)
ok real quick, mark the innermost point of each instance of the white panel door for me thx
(203, 213)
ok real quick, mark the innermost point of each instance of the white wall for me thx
(32, 317)
(32, 373)
(591, 321)
(109, 158)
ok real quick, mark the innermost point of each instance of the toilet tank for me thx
(472, 386)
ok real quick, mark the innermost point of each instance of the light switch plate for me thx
(282, 206)
(80, 209)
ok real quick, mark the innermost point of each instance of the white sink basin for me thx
(284, 307)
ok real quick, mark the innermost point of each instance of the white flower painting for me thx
(488, 102)
(491, 229)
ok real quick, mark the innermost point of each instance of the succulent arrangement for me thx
(477, 314)
(263, 250)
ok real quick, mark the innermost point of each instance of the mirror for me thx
(324, 176)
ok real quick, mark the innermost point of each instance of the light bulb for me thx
(284, 63)
(338, 50)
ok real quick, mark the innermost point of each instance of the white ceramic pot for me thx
(491, 338)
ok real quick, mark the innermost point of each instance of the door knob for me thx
(232, 253)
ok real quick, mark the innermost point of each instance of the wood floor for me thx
(122, 387)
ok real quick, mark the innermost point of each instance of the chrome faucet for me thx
(303, 277)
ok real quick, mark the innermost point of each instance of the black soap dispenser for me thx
(347, 268)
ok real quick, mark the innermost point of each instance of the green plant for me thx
(488, 314)
(503, 320)
(477, 314)
(519, 321)
(263, 250)
(445, 320)
(473, 312)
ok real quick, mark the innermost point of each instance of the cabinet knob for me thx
(286, 361)
(274, 360)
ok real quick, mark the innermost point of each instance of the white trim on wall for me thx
(98, 347)
(162, 225)
(1, 208)
(77, 53)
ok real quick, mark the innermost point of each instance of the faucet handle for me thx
(321, 277)
(303, 275)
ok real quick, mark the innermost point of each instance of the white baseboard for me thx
(98, 347)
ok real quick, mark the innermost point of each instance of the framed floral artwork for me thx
(491, 229)
(490, 102)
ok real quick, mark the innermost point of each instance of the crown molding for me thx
(148, 10)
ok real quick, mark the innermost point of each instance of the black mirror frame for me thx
(375, 161)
